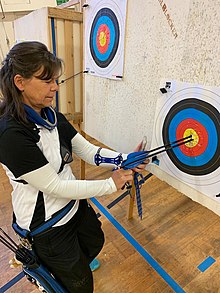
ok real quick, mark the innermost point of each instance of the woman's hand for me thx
(120, 177)
(141, 167)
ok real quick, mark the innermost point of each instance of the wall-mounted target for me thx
(190, 110)
(201, 120)
(104, 35)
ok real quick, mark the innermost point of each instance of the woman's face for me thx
(38, 93)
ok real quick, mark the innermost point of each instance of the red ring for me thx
(103, 28)
(201, 132)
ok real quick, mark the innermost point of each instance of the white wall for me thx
(26, 5)
(120, 113)
(33, 26)
(184, 45)
(15, 9)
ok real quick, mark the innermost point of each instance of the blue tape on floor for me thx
(206, 264)
(167, 278)
(12, 282)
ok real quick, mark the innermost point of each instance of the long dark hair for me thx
(25, 58)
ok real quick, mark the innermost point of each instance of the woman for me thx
(35, 148)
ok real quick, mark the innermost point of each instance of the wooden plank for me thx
(131, 202)
(76, 118)
(82, 163)
(69, 68)
(65, 14)
(82, 66)
(49, 34)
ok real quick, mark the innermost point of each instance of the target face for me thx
(104, 37)
(190, 111)
(201, 120)
(105, 26)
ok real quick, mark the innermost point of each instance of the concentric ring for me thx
(199, 134)
(104, 37)
(204, 121)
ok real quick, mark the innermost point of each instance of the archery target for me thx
(191, 111)
(105, 25)
(104, 37)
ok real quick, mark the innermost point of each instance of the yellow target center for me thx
(195, 137)
(102, 39)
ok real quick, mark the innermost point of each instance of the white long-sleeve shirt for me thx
(31, 157)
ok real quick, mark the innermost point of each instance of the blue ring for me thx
(106, 15)
(205, 120)
(104, 19)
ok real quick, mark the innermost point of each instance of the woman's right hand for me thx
(121, 176)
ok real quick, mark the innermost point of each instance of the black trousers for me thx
(68, 250)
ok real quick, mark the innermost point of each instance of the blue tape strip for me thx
(12, 282)
(140, 249)
(53, 36)
(55, 53)
(206, 264)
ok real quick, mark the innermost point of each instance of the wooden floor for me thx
(176, 232)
